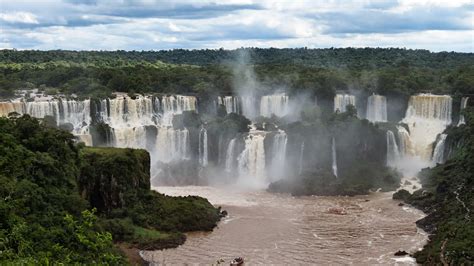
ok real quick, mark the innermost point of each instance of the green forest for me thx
(397, 72)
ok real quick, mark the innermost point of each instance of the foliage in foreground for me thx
(43, 219)
(64, 203)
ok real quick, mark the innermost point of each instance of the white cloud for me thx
(148, 24)
(19, 17)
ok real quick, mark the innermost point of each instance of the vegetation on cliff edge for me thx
(63, 203)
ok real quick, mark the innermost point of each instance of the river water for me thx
(266, 228)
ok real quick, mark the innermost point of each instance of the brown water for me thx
(266, 228)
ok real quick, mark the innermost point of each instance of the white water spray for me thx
(276, 104)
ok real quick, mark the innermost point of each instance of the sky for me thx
(435, 25)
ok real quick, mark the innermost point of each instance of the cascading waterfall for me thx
(334, 157)
(276, 104)
(176, 104)
(146, 122)
(463, 106)
(203, 149)
(251, 161)
(13, 106)
(42, 109)
(229, 158)
(393, 154)
(341, 101)
(405, 147)
(75, 113)
(278, 166)
(377, 108)
(438, 153)
(124, 111)
(129, 118)
(172, 144)
(300, 171)
(231, 104)
(427, 116)
(130, 137)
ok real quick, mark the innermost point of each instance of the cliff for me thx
(117, 182)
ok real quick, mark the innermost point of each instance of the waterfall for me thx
(229, 158)
(301, 158)
(341, 101)
(405, 146)
(10, 107)
(176, 104)
(427, 116)
(438, 153)
(393, 154)
(172, 144)
(124, 111)
(463, 106)
(276, 104)
(251, 161)
(334, 157)
(130, 137)
(44, 108)
(76, 113)
(203, 150)
(278, 161)
(231, 104)
(377, 108)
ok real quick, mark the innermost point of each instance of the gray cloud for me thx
(381, 21)
(184, 11)
(148, 24)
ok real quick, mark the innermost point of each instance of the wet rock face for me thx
(401, 195)
(401, 253)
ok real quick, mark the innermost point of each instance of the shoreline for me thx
(363, 213)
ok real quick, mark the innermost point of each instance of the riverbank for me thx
(277, 228)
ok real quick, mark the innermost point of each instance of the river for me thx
(266, 228)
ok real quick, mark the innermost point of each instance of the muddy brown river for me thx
(266, 228)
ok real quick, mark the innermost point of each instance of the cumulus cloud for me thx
(157, 24)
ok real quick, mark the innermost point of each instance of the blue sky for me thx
(153, 24)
